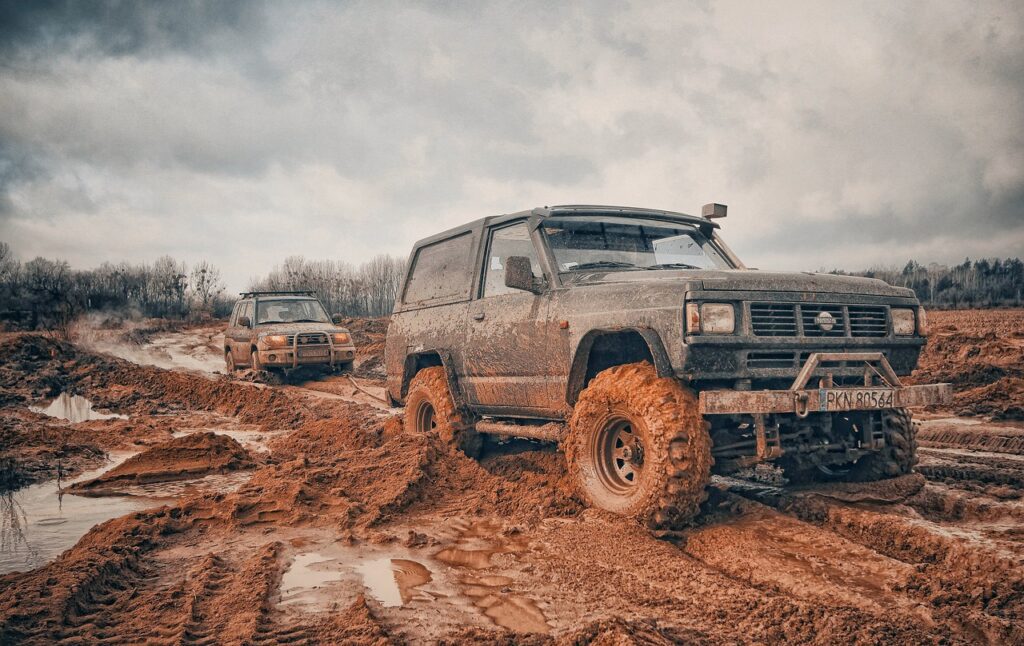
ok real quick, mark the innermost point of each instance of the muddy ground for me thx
(310, 516)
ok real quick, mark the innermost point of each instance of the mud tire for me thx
(254, 362)
(429, 388)
(897, 457)
(229, 363)
(663, 414)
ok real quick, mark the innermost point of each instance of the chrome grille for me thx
(802, 319)
(773, 319)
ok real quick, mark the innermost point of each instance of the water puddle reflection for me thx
(73, 408)
(39, 522)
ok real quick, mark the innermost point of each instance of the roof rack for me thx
(279, 292)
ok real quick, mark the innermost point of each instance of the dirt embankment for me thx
(368, 335)
(980, 352)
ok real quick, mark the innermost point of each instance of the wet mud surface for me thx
(244, 513)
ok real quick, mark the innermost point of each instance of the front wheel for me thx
(897, 457)
(637, 446)
(431, 410)
(255, 361)
(229, 362)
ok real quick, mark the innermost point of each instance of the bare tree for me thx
(205, 284)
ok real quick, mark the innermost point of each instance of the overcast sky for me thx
(840, 134)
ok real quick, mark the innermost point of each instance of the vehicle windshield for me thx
(625, 244)
(290, 310)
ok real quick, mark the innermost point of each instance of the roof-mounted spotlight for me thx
(712, 211)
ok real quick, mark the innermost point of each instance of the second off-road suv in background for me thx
(283, 331)
(641, 343)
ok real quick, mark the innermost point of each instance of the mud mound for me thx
(368, 335)
(182, 458)
(40, 606)
(980, 352)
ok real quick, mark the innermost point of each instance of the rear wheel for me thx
(637, 446)
(430, 409)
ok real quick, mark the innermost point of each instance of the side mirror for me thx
(337, 319)
(519, 274)
(244, 321)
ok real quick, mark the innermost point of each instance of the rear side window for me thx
(441, 272)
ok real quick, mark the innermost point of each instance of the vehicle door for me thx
(506, 364)
(240, 336)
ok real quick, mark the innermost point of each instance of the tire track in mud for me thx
(968, 580)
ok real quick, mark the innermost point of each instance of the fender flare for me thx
(578, 371)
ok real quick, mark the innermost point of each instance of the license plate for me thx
(314, 352)
(835, 399)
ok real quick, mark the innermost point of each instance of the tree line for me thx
(50, 294)
(365, 290)
(44, 293)
(978, 283)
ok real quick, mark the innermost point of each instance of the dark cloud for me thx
(123, 27)
(839, 134)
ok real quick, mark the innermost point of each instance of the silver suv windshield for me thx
(625, 244)
(290, 310)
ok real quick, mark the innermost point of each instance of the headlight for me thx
(275, 341)
(903, 323)
(710, 318)
(341, 338)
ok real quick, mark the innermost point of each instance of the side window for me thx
(441, 272)
(508, 241)
(246, 310)
(233, 321)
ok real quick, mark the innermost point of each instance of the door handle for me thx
(479, 316)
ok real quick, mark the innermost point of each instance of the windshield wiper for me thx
(603, 264)
(268, 322)
(672, 265)
(307, 321)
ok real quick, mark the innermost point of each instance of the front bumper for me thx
(880, 384)
(291, 357)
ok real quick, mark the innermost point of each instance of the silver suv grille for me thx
(817, 320)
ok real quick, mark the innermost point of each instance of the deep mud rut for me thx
(336, 526)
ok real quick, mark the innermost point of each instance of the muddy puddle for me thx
(460, 573)
(317, 578)
(37, 523)
(73, 408)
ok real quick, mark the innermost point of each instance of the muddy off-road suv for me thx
(283, 331)
(640, 342)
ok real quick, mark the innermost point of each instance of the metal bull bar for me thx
(882, 389)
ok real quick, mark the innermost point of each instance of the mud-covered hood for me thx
(746, 280)
(298, 328)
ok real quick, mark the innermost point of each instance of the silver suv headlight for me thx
(710, 318)
(903, 323)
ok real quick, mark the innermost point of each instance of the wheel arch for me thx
(428, 358)
(600, 349)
